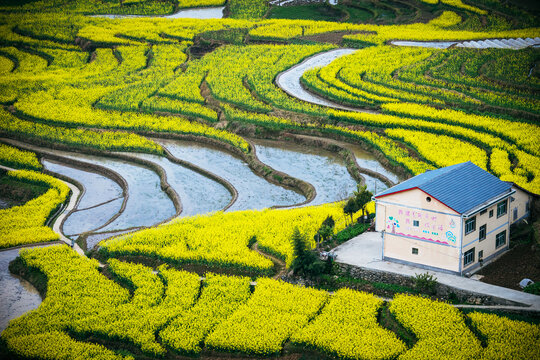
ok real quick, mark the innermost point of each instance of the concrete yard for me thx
(365, 251)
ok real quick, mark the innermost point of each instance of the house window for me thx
(515, 213)
(416, 223)
(483, 212)
(501, 208)
(428, 199)
(481, 255)
(490, 213)
(527, 206)
(500, 239)
(470, 225)
(468, 257)
(415, 251)
(482, 230)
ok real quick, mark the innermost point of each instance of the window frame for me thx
(483, 229)
(468, 257)
(499, 244)
(499, 206)
(468, 222)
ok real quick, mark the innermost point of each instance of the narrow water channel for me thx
(254, 192)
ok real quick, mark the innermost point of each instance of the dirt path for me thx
(278, 263)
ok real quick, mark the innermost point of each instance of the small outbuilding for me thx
(452, 219)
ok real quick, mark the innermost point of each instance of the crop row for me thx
(224, 238)
(26, 223)
(20, 159)
(221, 296)
(81, 138)
(150, 308)
(82, 301)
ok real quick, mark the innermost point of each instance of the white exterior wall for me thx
(518, 208)
(440, 234)
(436, 236)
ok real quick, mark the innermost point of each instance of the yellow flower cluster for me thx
(221, 296)
(173, 106)
(103, 140)
(507, 339)
(441, 150)
(366, 76)
(16, 158)
(440, 329)
(75, 289)
(149, 289)
(347, 328)
(517, 132)
(248, 9)
(26, 62)
(274, 312)
(435, 30)
(223, 239)
(461, 5)
(149, 310)
(82, 301)
(25, 224)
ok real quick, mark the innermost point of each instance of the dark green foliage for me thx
(351, 207)
(533, 288)
(349, 232)
(425, 283)
(306, 262)
(362, 196)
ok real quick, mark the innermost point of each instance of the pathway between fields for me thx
(278, 263)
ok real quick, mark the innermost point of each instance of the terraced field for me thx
(179, 147)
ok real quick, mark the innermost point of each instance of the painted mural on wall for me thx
(423, 225)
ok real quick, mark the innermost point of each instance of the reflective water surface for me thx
(254, 192)
(17, 296)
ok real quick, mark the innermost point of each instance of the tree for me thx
(326, 230)
(299, 244)
(306, 262)
(350, 208)
(362, 197)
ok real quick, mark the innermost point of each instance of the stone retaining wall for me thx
(443, 292)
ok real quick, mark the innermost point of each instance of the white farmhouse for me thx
(452, 219)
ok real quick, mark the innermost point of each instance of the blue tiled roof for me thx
(461, 187)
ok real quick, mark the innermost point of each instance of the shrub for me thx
(533, 288)
(425, 283)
